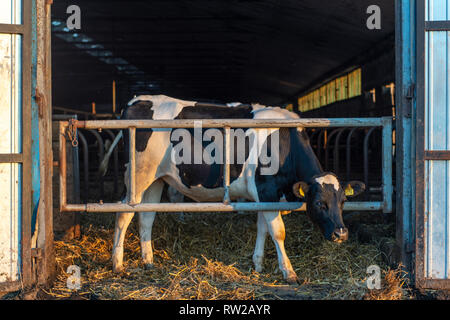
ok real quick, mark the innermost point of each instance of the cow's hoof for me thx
(118, 269)
(148, 266)
(292, 279)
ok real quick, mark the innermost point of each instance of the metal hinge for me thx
(410, 97)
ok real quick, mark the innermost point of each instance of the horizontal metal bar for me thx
(437, 25)
(11, 158)
(12, 28)
(232, 123)
(436, 284)
(436, 155)
(10, 286)
(60, 117)
(210, 207)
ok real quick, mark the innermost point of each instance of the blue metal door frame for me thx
(405, 133)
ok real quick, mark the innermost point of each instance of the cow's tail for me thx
(104, 165)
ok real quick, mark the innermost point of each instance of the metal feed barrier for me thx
(321, 141)
(384, 123)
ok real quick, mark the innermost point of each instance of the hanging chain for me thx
(72, 132)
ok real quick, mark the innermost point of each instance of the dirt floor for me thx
(209, 256)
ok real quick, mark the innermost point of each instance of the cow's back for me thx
(201, 182)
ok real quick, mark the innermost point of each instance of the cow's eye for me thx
(322, 205)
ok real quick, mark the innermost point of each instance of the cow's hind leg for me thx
(261, 235)
(276, 229)
(151, 195)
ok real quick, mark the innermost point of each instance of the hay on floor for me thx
(209, 256)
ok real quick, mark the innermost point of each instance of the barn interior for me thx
(271, 52)
(316, 58)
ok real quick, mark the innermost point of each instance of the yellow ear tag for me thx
(300, 192)
(349, 191)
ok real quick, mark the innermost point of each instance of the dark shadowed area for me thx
(238, 50)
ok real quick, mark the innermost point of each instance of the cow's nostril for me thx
(340, 234)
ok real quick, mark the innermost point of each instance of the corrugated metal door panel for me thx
(436, 91)
(437, 137)
(437, 219)
(11, 11)
(436, 143)
(10, 143)
(437, 10)
(10, 209)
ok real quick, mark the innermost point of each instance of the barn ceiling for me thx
(230, 50)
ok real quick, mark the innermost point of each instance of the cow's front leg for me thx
(122, 222)
(276, 229)
(261, 235)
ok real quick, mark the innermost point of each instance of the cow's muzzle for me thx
(340, 235)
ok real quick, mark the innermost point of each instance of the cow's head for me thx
(325, 199)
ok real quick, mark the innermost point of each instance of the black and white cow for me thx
(203, 182)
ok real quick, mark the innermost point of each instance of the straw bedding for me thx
(209, 256)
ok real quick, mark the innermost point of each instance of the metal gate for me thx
(69, 129)
(433, 144)
(15, 144)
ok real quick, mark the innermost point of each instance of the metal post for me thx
(348, 151)
(85, 165)
(101, 154)
(336, 151)
(226, 166)
(132, 166)
(387, 165)
(319, 145)
(366, 158)
(327, 144)
(115, 163)
(62, 165)
(114, 97)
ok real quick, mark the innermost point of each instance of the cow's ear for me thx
(354, 188)
(300, 189)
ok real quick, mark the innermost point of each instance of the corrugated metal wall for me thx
(437, 138)
(10, 142)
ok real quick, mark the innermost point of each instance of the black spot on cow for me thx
(201, 111)
(140, 110)
(296, 161)
(206, 175)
